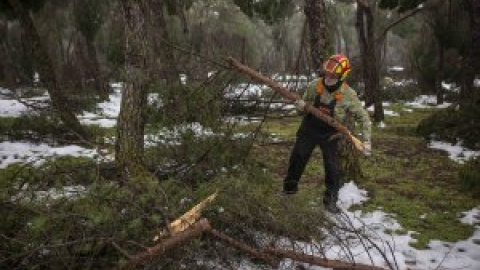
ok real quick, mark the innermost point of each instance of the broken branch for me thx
(335, 264)
(175, 241)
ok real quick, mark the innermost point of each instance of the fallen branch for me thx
(186, 220)
(334, 264)
(273, 262)
(175, 241)
(293, 97)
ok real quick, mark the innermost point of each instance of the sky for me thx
(460, 255)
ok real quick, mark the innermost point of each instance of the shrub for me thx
(470, 176)
(41, 128)
(400, 93)
(452, 125)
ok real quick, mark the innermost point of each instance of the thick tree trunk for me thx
(47, 72)
(315, 13)
(365, 28)
(131, 120)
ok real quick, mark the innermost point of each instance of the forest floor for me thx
(405, 182)
(419, 185)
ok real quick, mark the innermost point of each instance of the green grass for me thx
(403, 177)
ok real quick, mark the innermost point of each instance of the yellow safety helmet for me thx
(337, 64)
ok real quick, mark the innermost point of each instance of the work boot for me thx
(289, 188)
(330, 203)
(332, 208)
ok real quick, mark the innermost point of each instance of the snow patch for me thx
(377, 226)
(37, 154)
(427, 101)
(456, 151)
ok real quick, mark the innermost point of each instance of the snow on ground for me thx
(13, 108)
(455, 152)
(450, 87)
(426, 101)
(395, 69)
(385, 111)
(463, 254)
(107, 111)
(72, 192)
(37, 154)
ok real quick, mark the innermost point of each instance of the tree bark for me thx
(315, 13)
(470, 62)
(101, 86)
(365, 28)
(168, 244)
(47, 72)
(272, 261)
(7, 74)
(335, 264)
(129, 146)
(168, 64)
(439, 72)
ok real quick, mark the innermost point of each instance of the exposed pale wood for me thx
(186, 220)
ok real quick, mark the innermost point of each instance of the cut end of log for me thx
(186, 220)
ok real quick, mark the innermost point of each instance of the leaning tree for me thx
(44, 64)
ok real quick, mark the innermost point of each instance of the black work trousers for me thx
(299, 157)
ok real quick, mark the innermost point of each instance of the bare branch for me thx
(384, 33)
(241, 246)
(335, 264)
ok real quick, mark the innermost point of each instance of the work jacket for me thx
(339, 104)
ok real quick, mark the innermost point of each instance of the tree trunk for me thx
(26, 70)
(131, 120)
(439, 72)
(365, 28)
(471, 61)
(7, 73)
(168, 64)
(47, 72)
(101, 86)
(315, 13)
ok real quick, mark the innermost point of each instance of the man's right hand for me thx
(367, 148)
(300, 104)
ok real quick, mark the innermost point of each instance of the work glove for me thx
(367, 148)
(300, 104)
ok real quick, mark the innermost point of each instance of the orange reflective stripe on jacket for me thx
(338, 96)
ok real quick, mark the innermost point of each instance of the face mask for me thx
(330, 81)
